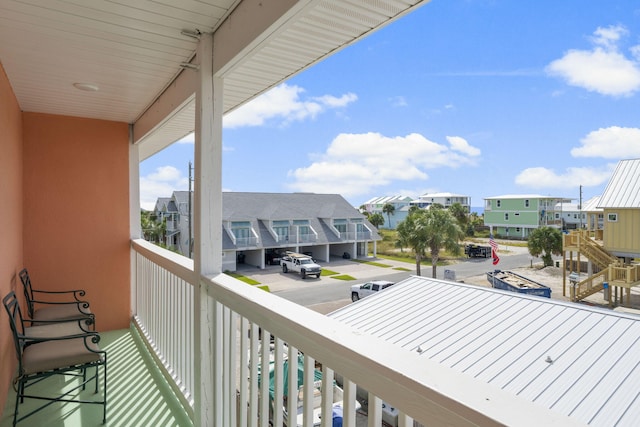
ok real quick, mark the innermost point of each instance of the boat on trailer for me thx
(513, 282)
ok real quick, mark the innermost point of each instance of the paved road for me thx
(327, 293)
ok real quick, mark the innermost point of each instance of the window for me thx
(340, 224)
(526, 203)
(498, 203)
(506, 216)
(518, 230)
(517, 214)
(281, 228)
(612, 217)
(304, 230)
(282, 233)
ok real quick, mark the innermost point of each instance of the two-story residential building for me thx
(610, 252)
(402, 204)
(323, 225)
(444, 199)
(174, 212)
(516, 215)
(620, 204)
(400, 209)
(570, 215)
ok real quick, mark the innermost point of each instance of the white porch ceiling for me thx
(132, 51)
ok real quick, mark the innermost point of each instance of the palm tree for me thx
(376, 219)
(152, 230)
(434, 229)
(461, 215)
(442, 232)
(389, 209)
(546, 241)
(409, 235)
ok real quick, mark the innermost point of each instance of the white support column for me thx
(207, 230)
(135, 228)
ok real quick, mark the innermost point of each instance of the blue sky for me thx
(475, 97)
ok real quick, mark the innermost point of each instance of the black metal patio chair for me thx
(63, 348)
(55, 306)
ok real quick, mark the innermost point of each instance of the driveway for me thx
(327, 293)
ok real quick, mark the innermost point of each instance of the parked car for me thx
(272, 257)
(360, 291)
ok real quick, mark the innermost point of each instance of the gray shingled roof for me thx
(162, 204)
(280, 206)
(580, 361)
(623, 189)
(259, 208)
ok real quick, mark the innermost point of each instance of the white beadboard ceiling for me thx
(132, 50)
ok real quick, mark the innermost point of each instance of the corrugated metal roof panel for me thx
(580, 361)
(623, 190)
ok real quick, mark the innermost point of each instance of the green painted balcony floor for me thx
(138, 394)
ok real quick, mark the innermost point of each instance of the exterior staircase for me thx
(612, 268)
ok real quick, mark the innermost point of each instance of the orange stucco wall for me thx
(76, 210)
(11, 247)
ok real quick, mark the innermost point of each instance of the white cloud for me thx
(544, 178)
(602, 69)
(161, 183)
(354, 164)
(189, 139)
(285, 104)
(461, 145)
(610, 143)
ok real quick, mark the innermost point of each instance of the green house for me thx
(516, 215)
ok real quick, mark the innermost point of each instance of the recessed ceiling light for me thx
(89, 87)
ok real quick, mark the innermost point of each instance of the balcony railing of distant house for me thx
(246, 242)
(252, 327)
(307, 238)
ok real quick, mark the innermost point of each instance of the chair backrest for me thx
(16, 322)
(28, 290)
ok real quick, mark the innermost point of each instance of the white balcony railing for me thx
(163, 311)
(418, 387)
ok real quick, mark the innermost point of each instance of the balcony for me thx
(137, 393)
(163, 342)
(242, 318)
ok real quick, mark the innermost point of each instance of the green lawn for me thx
(343, 277)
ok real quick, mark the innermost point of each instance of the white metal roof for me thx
(580, 361)
(434, 195)
(132, 51)
(623, 189)
(388, 199)
(591, 205)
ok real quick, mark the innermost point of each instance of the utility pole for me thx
(190, 209)
(580, 207)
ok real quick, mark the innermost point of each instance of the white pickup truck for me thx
(300, 263)
(369, 288)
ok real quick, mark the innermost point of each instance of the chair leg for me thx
(19, 399)
(97, 379)
(104, 390)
